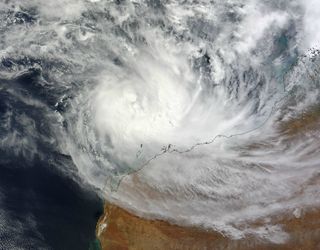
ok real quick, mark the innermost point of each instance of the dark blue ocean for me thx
(40, 207)
(52, 211)
(186, 103)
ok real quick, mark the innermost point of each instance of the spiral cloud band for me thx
(181, 110)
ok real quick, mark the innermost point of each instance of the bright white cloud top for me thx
(190, 97)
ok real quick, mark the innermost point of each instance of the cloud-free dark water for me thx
(190, 95)
(41, 207)
(52, 211)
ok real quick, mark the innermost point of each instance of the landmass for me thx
(118, 229)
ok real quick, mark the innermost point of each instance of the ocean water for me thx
(175, 110)
(42, 209)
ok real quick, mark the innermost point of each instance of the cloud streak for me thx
(179, 105)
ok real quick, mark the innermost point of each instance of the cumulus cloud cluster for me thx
(178, 104)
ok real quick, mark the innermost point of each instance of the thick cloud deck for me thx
(176, 109)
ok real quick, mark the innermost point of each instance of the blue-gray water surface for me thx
(40, 207)
(170, 109)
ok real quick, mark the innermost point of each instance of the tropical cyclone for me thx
(206, 85)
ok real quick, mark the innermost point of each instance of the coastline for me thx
(118, 229)
(121, 229)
